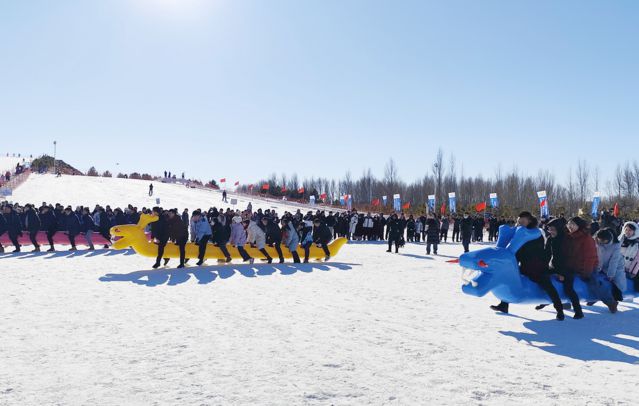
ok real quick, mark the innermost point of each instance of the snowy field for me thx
(368, 327)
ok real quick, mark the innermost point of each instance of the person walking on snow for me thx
(151, 189)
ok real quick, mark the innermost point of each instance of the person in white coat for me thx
(630, 250)
(352, 225)
(611, 261)
(257, 237)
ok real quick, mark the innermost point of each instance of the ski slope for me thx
(368, 327)
(89, 191)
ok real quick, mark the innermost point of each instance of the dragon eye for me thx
(482, 263)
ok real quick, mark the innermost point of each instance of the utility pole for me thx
(55, 167)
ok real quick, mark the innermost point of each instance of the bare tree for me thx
(583, 176)
(438, 174)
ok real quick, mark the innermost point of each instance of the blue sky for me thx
(242, 89)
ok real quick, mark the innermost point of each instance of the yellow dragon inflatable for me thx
(133, 235)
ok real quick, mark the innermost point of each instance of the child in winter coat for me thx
(630, 251)
(611, 261)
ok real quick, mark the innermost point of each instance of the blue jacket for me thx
(201, 228)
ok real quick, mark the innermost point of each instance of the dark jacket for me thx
(432, 231)
(31, 221)
(177, 230)
(13, 224)
(159, 230)
(48, 222)
(466, 227)
(87, 223)
(72, 223)
(321, 234)
(273, 233)
(394, 229)
(533, 259)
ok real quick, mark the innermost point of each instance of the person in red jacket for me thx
(581, 258)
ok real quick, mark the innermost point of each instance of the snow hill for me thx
(368, 327)
(89, 191)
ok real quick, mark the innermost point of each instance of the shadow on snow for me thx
(208, 274)
(600, 336)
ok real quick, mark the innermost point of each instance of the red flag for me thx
(375, 202)
(480, 206)
(300, 190)
(442, 209)
(251, 186)
(542, 203)
(323, 196)
(237, 183)
(266, 186)
(615, 211)
(222, 180)
(406, 205)
(283, 189)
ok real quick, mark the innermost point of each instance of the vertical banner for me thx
(312, 200)
(494, 200)
(385, 199)
(349, 202)
(397, 202)
(544, 210)
(342, 200)
(452, 202)
(596, 200)
(431, 203)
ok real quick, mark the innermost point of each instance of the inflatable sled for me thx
(60, 238)
(132, 235)
(496, 270)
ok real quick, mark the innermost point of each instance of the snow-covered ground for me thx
(367, 328)
(8, 163)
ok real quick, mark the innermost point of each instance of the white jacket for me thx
(256, 235)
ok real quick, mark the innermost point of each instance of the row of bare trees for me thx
(516, 190)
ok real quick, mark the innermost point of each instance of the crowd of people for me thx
(605, 257)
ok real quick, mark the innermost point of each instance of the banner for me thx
(342, 200)
(312, 200)
(431, 203)
(494, 200)
(397, 202)
(544, 210)
(596, 200)
(384, 199)
(349, 202)
(237, 183)
(266, 186)
(323, 196)
(442, 210)
(375, 202)
(452, 202)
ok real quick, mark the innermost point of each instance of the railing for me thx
(7, 187)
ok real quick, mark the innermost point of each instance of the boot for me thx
(501, 307)
(91, 248)
(180, 266)
(156, 265)
(51, 249)
(200, 262)
(73, 249)
(327, 258)
(228, 259)
(578, 315)
(560, 316)
(36, 249)
(612, 306)
(1, 249)
(166, 261)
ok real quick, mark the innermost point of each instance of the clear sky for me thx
(241, 89)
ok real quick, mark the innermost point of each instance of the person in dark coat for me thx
(151, 189)
(87, 226)
(49, 224)
(13, 226)
(160, 233)
(466, 229)
(322, 236)
(72, 226)
(443, 231)
(394, 232)
(274, 236)
(432, 234)
(533, 263)
(185, 216)
(3, 229)
(178, 232)
(32, 225)
(220, 235)
(456, 229)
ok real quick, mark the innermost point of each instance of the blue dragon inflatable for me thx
(496, 270)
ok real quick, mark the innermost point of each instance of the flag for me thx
(266, 186)
(544, 210)
(494, 200)
(452, 202)
(222, 180)
(237, 183)
(442, 209)
(300, 190)
(283, 189)
(397, 202)
(406, 205)
(594, 211)
(251, 186)
(323, 196)
(375, 202)
(349, 202)
(615, 211)
(480, 207)
(431, 203)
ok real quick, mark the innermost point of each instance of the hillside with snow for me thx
(368, 327)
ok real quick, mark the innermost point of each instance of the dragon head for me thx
(495, 269)
(128, 235)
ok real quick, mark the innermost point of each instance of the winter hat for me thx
(634, 226)
(237, 219)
